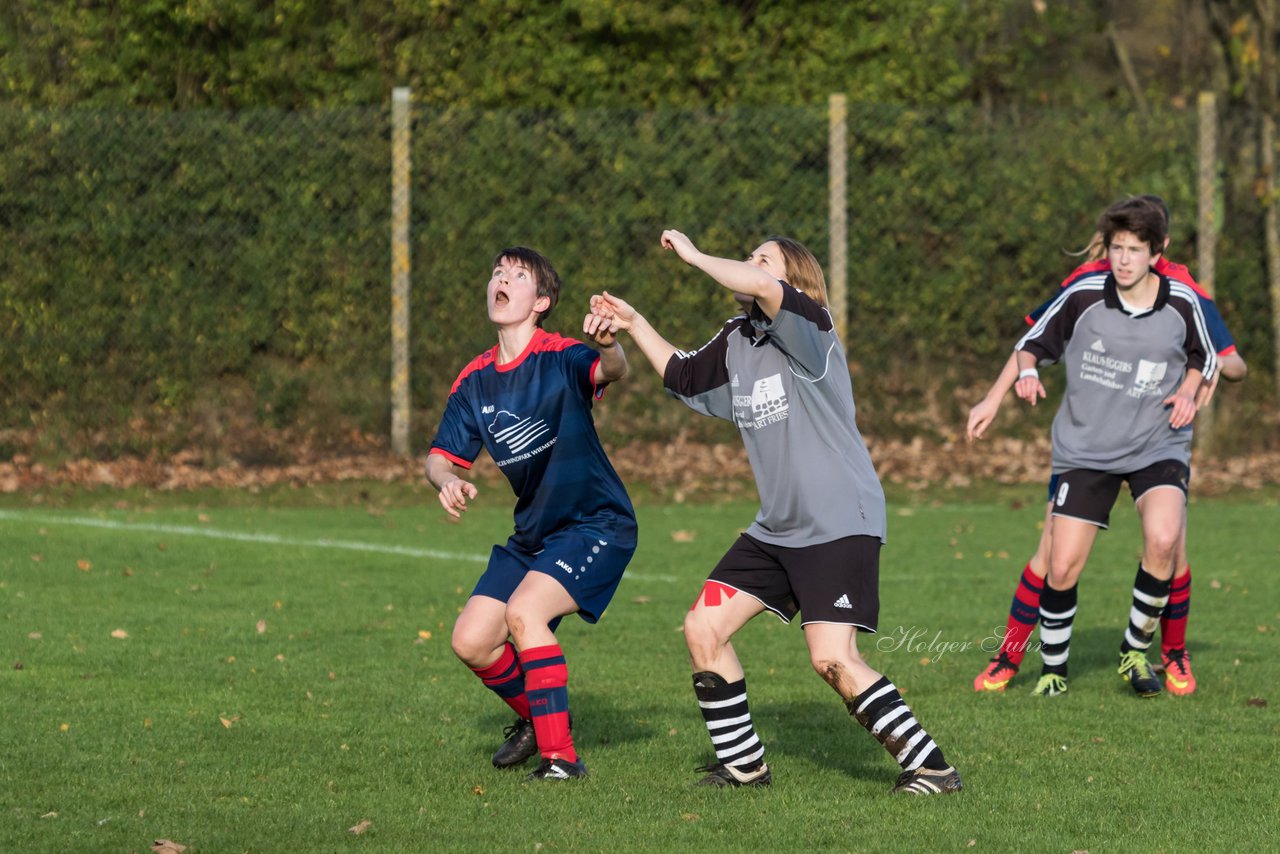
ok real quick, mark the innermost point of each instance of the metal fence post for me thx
(837, 191)
(1206, 230)
(400, 107)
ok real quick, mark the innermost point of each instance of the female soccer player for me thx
(1024, 611)
(1135, 344)
(779, 373)
(527, 401)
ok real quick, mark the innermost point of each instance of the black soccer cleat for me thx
(558, 769)
(521, 743)
(926, 781)
(726, 776)
(1136, 670)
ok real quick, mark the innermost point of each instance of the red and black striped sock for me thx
(546, 680)
(505, 678)
(1173, 622)
(1024, 613)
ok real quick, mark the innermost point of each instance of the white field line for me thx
(269, 539)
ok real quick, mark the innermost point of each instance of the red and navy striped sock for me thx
(546, 681)
(505, 678)
(1024, 613)
(1173, 622)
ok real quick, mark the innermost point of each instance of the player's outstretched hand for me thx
(618, 312)
(980, 418)
(454, 495)
(682, 245)
(1183, 410)
(1204, 394)
(1029, 389)
(599, 328)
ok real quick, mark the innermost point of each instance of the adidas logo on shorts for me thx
(843, 602)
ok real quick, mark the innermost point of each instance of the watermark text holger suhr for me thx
(915, 639)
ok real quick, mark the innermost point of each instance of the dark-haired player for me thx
(1136, 348)
(1024, 610)
(527, 401)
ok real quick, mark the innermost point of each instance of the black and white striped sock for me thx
(884, 714)
(1057, 614)
(724, 709)
(1150, 595)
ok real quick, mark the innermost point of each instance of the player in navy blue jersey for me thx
(1024, 611)
(527, 402)
(779, 373)
(1137, 349)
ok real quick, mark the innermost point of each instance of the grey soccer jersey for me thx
(1120, 369)
(788, 391)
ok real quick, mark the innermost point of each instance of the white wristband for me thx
(1028, 372)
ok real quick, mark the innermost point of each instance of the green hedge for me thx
(178, 267)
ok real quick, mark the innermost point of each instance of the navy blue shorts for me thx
(588, 563)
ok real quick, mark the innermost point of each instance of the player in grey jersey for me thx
(779, 373)
(1136, 348)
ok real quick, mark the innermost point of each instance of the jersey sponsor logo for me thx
(767, 404)
(517, 434)
(1097, 367)
(1147, 381)
(1062, 494)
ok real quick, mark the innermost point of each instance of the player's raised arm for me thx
(621, 316)
(752, 280)
(613, 361)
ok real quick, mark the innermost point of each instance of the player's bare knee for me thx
(830, 670)
(701, 638)
(467, 648)
(1161, 546)
(515, 625)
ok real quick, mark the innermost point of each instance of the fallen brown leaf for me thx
(1256, 702)
(360, 826)
(119, 634)
(167, 846)
(684, 536)
(84, 565)
(262, 626)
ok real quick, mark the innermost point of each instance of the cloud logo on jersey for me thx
(1148, 378)
(518, 433)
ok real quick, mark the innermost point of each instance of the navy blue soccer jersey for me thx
(533, 416)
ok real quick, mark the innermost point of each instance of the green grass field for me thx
(242, 672)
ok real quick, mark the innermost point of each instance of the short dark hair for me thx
(546, 277)
(1138, 216)
(1164, 208)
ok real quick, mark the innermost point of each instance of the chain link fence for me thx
(167, 277)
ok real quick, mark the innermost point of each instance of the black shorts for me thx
(1089, 495)
(835, 582)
